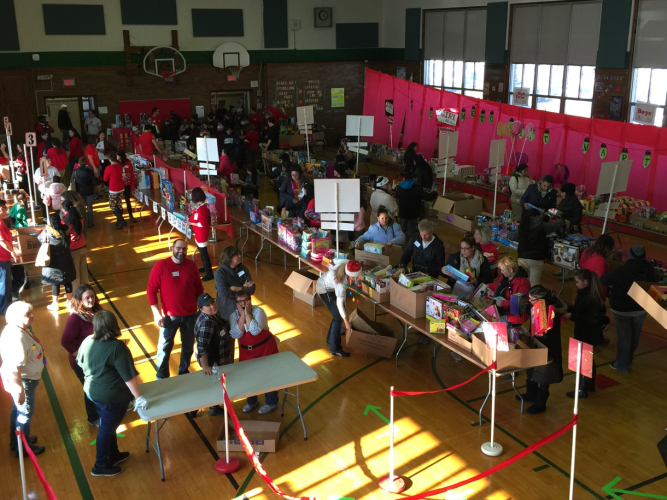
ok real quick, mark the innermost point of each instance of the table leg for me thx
(260, 251)
(284, 259)
(296, 408)
(562, 281)
(517, 391)
(169, 236)
(159, 450)
(485, 399)
(148, 435)
(159, 234)
(405, 338)
(247, 235)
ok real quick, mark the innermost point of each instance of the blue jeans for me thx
(271, 398)
(628, 330)
(5, 286)
(408, 226)
(329, 300)
(21, 416)
(91, 409)
(166, 343)
(111, 416)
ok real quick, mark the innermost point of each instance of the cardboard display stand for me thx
(613, 178)
(496, 159)
(447, 147)
(207, 151)
(305, 118)
(337, 200)
(359, 126)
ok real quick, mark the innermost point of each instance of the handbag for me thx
(43, 256)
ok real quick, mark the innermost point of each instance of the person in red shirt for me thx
(275, 112)
(200, 220)
(113, 175)
(147, 143)
(595, 259)
(6, 255)
(128, 180)
(44, 144)
(157, 122)
(176, 280)
(134, 139)
(58, 157)
(227, 167)
(75, 148)
(251, 142)
(43, 126)
(256, 119)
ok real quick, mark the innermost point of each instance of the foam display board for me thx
(648, 304)
(497, 153)
(356, 123)
(392, 255)
(512, 359)
(348, 195)
(620, 182)
(207, 146)
(448, 144)
(262, 435)
(305, 115)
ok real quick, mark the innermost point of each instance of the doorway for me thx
(237, 98)
(53, 106)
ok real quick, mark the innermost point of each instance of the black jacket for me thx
(85, 180)
(533, 196)
(409, 200)
(225, 277)
(64, 121)
(485, 275)
(274, 137)
(285, 193)
(572, 209)
(429, 261)
(424, 173)
(587, 317)
(252, 185)
(551, 373)
(621, 279)
(61, 268)
(535, 246)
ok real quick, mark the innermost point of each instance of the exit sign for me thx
(69, 82)
(231, 78)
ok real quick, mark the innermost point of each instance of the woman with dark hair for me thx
(77, 241)
(541, 195)
(75, 148)
(595, 259)
(86, 177)
(128, 181)
(423, 173)
(280, 172)
(58, 156)
(61, 270)
(410, 196)
(385, 231)
(79, 326)
(251, 182)
(113, 175)
(111, 382)
(532, 238)
(471, 261)
(410, 156)
(519, 181)
(232, 276)
(335, 168)
(571, 207)
(539, 379)
(200, 220)
(381, 196)
(290, 189)
(310, 206)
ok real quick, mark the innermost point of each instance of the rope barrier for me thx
(492, 366)
(38, 470)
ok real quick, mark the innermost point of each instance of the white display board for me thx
(448, 144)
(305, 115)
(614, 177)
(207, 169)
(349, 195)
(359, 125)
(207, 149)
(497, 153)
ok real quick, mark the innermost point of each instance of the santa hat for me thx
(353, 268)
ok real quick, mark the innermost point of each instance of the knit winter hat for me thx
(637, 252)
(568, 188)
(381, 181)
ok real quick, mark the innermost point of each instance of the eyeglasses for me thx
(466, 248)
(242, 301)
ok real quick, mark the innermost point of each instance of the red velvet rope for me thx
(407, 393)
(38, 470)
(248, 448)
(501, 465)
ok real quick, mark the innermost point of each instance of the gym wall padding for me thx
(153, 12)
(564, 145)
(614, 31)
(217, 22)
(73, 19)
(357, 35)
(413, 21)
(496, 33)
(275, 24)
(9, 35)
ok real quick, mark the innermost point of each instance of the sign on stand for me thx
(389, 113)
(447, 117)
(361, 126)
(496, 159)
(447, 147)
(305, 117)
(337, 200)
(207, 151)
(613, 179)
(31, 139)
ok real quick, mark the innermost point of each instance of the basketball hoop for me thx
(168, 76)
(235, 71)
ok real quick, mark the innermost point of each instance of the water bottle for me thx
(216, 376)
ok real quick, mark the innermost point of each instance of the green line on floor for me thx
(541, 467)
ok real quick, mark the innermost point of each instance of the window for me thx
(553, 50)
(455, 76)
(649, 85)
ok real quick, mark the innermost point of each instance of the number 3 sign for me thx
(31, 139)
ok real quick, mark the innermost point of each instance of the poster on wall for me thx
(401, 72)
(644, 113)
(521, 96)
(338, 97)
(610, 93)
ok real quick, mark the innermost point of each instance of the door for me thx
(238, 99)
(53, 107)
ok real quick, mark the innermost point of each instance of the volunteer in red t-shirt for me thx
(43, 126)
(227, 167)
(75, 148)
(256, 119)
(275, 112)
(177, 281)
(6, 255)
(128, 181)
(92, 158)
(147, 142)
(44, 144)
(251, 143)
(113, 175)
(134, 139)
(157, 122)
(58, 156)
(200, 220)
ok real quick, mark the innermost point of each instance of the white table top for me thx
(184, 393)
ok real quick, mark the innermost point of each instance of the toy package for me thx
(434, 309)
(456, 274)
(371, 247)
(541, 318)
(168, 196)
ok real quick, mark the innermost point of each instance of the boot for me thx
(583, 394)
(120, 222)
(530, 394)
(540, 404)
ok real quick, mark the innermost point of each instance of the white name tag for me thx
(196, 216)
(417, 244)
(241, 273)
(175, 274)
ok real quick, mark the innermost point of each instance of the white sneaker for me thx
(53, 306)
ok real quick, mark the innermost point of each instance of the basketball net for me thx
(235, 71)
(168, 76)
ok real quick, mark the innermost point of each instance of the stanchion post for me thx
(226, 465)
(606, 215)
(576, 412)
(392, 483)
(11, 158)
(27, 172)
(492, 448)
(20, 449)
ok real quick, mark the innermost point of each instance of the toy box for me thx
(434, 309)
(565, 255)
(372, 247)
(167, 192)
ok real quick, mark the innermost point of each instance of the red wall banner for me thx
(166, 106)
(558, 138)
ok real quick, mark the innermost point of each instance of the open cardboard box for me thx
(262, 435)
(370, 336)
(390, 255)
(512, 359)
(411, 303)
(304, 284)
(459, 209)
(378, 297)
(26, 240)
(455, 336)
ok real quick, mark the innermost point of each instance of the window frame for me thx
(453, 88)
(632, 101)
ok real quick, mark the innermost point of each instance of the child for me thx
(54, 193)
(77, 201)
(587, 313)
(200, 220)
(251, 183)
(18, 212)
(128, 179)
(227, 167)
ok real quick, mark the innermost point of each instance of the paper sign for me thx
(5, 120)
(141, 197)
(586, 358)
(305, 115)
(447, 144)
(389, 107)
(644, 113)
(163, 212)
(8, 129)
(521, 96)
(358, 125)
(155, 206)
(613, 177)
(348, 195)
(207, 149)
(446, 116)
(338, 97)
(493, 331)
(497, 153)
(31, 139)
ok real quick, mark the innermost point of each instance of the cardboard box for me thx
(512, 359)
(370, 336)
(409, 302)
(304, 284)
(459, 338)
(364, 324)
(262, 435)
(391, 256)
(26, 241)
(459, 209)
(378, 297)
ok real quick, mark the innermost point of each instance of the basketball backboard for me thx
(161, 61)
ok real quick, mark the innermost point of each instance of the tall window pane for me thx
(587, 82)
(437, 73)
(658, 90)
(548, 104)
(543, 71)
(479, 76)
(469, 75)
(516, 76)
(529, 77)
(556, 80)
(642, 84)
(458, 74)
(449, 73)
(572, 82)
(578, 108)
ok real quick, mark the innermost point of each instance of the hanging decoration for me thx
(647, 159)
(482, 116)
(472, 111)
(430, 113)
(463, 114)
(586, 145)
(624, 155)
(603, 151)
(491, 117)
(530, 132)
(545, 136)
(500, 127)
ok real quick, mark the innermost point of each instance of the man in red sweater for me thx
(177, 281)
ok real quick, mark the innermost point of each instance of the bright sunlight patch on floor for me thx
(316, 357)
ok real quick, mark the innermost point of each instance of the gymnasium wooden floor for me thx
(438, 440)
